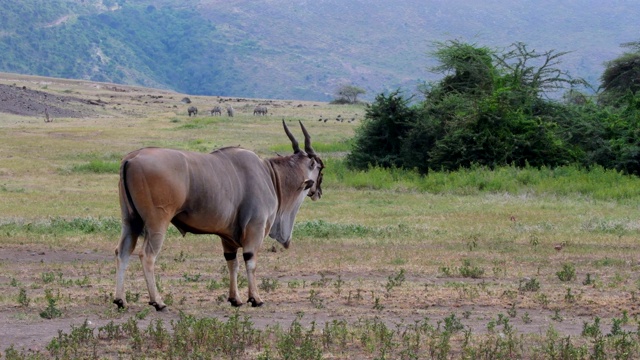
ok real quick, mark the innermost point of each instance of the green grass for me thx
(97, 167)
(56, 225)
(594, 183)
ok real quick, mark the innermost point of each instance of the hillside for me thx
(302, 50)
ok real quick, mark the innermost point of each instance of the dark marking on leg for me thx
(234, 302)
(254, 302)
(119, 302)
(247, 256)
(158, 307)
(229, 256)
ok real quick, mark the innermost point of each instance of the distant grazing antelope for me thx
(230, 111)
(260, 110)
(216, 110)
(192, 110)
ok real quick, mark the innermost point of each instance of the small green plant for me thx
(168, 299)
(592, 330)
(181, 257)
(528, 285)
(111, 331)
(588, 280)
(468, 271)
(556, 316)
(542, 299)
(512, 312)
(82, 282)
(48, 277)
(377, 305)
(132, 297)
(568, 273)
(446, 271)
(268, 285)
(213, 284)
(472, 243)
(23, 300)
(315, 299)
(14, 282)
(51, 311)
(452, 324)
(526, 318)
(142, 314)
(337, 284)
(191, 278)
(616, 327)
(394, 281)
(569, 297)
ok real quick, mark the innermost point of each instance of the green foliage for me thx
(491, 109)
(51, 311)
(621, 77)
(469, 271)
(378, 140)
(469, 69)
(529, 285)
(23, 299)
(568, 273)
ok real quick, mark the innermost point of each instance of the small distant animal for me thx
(216, 110)
(230, 111)
(186, 100)
(47, 118)
(260, 110)
(192, 110)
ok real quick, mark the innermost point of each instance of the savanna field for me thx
(388, 264)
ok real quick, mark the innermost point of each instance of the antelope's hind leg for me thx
(128, 240)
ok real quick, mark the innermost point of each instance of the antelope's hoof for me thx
(157, 306)
(234, 302)
(254, 302)
(120, 303)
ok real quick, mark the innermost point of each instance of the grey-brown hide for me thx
(230, 192)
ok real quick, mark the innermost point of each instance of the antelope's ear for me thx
(307, 184)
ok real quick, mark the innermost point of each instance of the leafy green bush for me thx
(491, 110)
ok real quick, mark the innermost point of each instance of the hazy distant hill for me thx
(300, 49)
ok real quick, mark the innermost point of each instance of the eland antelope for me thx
(230, 192)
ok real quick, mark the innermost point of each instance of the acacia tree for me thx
(621, 76)
(468, 69)
(348, 94)
(532, 73)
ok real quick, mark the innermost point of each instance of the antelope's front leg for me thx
(233, 265)
(250, 264)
